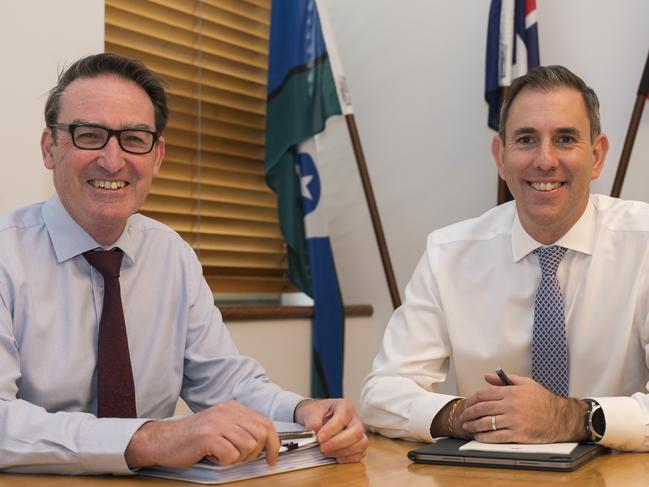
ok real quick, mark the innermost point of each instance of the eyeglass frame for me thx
(71, 127)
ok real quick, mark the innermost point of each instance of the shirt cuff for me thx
(625, 423)
(285, 407)
(103, 444)
(424, 411)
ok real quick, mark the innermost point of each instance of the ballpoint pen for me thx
(503, 377)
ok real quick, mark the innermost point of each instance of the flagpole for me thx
(641, 99)
(374, 211)
(348, 112)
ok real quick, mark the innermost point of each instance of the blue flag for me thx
(301, 96)
(512, 48)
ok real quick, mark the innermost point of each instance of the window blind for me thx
(213, 55)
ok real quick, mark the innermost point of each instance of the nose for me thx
(546, 158)
(111, 157)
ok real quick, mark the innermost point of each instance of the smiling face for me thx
(101, 188)
(548, 160)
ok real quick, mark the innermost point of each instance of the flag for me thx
(512, 48)
(301, 96)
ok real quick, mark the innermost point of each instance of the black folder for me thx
(446, 452)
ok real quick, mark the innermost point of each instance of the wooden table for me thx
(386, 465)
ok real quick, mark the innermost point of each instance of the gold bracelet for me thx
(451, 416)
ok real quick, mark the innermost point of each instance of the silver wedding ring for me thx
(493, 423)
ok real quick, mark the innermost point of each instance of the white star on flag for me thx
(304, 181)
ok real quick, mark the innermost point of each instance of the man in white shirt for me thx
(103, 141)
(473, 297)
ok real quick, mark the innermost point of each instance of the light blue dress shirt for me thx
(50, 306)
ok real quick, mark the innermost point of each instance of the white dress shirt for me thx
(471, 300)
(50, 306)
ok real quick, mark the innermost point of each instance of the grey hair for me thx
(547, 78)
(110, 63)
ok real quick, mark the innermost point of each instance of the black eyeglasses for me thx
(95, 137)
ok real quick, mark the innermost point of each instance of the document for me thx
(552, 448)
(295, 454)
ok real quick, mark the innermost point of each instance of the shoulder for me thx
(619, 215)
(159, 241)
(492, 224)
(21, 219)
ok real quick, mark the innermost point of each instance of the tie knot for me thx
(550, 258)
(107, 262)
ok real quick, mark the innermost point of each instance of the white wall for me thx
(415, 70)
(37, 37)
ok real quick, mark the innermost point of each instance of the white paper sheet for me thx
(553, 448)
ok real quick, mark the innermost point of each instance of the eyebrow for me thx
(124, 126)
(523, 131)
(561, 130)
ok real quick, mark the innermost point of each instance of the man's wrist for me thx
(296, 418)
(573, 420)
(136, 451)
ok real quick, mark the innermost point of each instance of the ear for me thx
(47, 148)
(159, 151)
(497, 149)
(600, 149)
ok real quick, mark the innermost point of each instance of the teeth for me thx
(546, 186)
(100, 183)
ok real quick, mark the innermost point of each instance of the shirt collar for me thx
(580, 237)
(70, 240)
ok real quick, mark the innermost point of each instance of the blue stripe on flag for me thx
(328, 326)
(295, 39)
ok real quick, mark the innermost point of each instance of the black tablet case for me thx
(446, 452)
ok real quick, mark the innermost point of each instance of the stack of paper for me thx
(302, 453)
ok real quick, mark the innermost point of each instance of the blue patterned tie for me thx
(549, 344)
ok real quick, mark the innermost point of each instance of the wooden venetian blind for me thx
(213, 54)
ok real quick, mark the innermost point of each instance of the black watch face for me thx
(599, 424)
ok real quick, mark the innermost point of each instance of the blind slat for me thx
(185, 53)
(192, 206)
(216, 226)
(184, 172)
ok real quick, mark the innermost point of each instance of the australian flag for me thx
(512, 48)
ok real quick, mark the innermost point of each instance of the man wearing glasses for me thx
(91, 357)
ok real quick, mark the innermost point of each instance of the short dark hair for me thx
(547, 78)
(110, 63)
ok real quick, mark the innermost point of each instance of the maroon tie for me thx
(115, 389)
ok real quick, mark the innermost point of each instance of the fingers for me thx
(272, 446)
(340, 432)
(259, 435)
(493, 379)
(335, 419)
(230, 432)
(494, 422)
(348, 445)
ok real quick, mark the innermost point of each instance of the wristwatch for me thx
(594, 421)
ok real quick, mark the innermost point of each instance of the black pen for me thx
(503, 377)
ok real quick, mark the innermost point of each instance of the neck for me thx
(105, 233)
